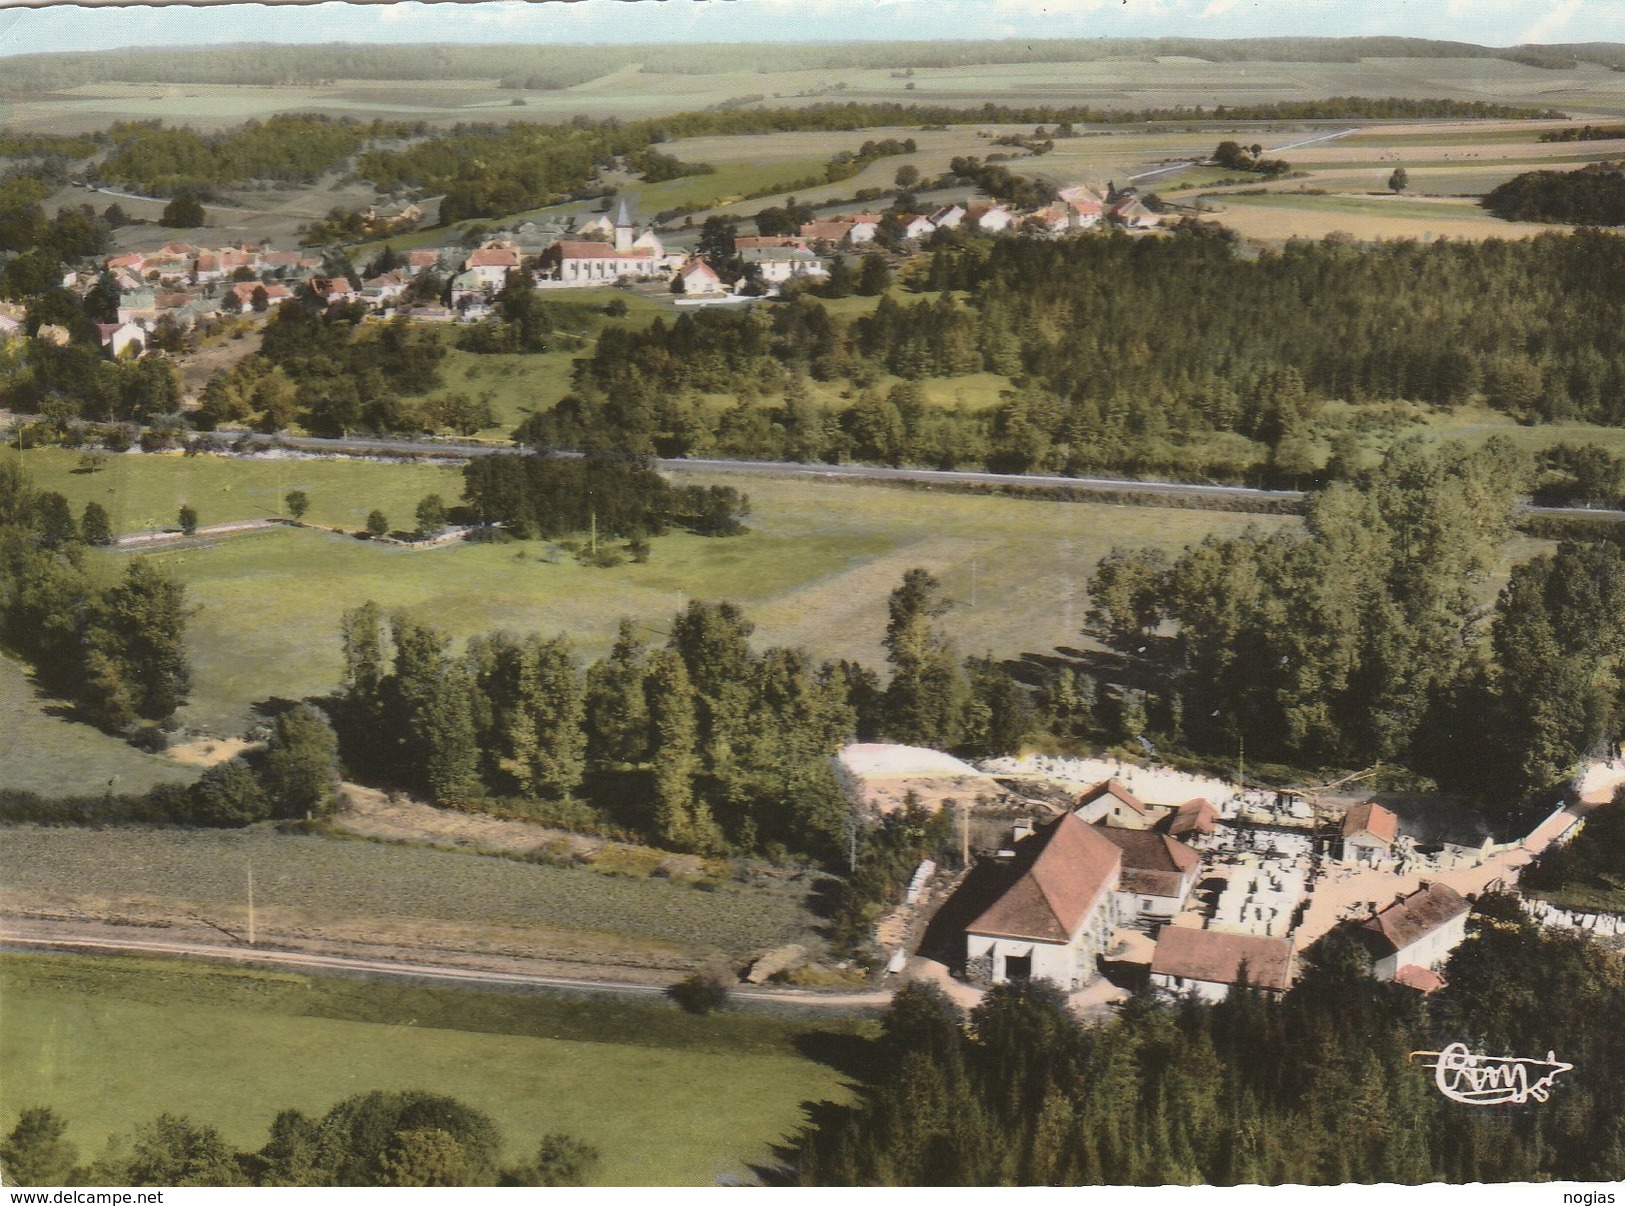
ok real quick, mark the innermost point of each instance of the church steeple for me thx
(625, 232)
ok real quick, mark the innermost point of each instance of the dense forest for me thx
(1173, 356)
(1362, 640)
(1320, 1088)
(394, 1138)
(287, 148)
(1593, 195)
(543, 67)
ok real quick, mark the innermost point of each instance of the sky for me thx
(100, 26)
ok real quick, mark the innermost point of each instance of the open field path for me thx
(1186, 164)
(147, 539)
(78, 938)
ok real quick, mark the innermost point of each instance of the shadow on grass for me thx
(852, 1055)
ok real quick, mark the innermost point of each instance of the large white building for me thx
(1417, 932)
(1056, 913)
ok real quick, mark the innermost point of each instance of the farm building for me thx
(1416, 932)
(949, 217)
(1056, 914)
(1207, 962)
(1369, 831)
(1110, 803)
(1158, 874)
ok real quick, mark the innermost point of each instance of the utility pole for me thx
(592, 546)
(964, 833)
(250, 903)
(1241, 748)
(973, 582)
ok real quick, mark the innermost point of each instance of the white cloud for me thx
(1551, 23)
(1217, 8)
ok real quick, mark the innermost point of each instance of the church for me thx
(585, 262)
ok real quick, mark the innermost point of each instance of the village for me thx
(1104, 876)
(181, 288)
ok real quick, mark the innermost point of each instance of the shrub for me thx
(701, 993)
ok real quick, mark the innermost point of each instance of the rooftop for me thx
(1062, 871)
(1218, 958)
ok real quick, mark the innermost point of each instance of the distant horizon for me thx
(106, 27)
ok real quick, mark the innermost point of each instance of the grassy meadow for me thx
(669, 1099)
(814, 570)
(42, 750)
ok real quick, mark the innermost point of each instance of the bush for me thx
(701, 993)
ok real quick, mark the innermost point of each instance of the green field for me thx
(667, 1098)
(396, 895)
(1379, 206)
(814, 570)
(43, 751)
(142, 491)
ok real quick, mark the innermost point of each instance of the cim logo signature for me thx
(1492, 1079)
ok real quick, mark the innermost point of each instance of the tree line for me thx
(287, 148)
(394, 1138)
(549, 497)
(1593, 195)
(1318, 1088)
(700, 743)
(1363, 640)
(116, 651)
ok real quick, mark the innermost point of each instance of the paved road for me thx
(63, 937)
(363, 446)
(460, 449)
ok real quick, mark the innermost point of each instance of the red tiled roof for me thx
(1153, 863)
(1193, 816)
(1371, 818)
(425, 258)
(598, 251)
(830, 229)
(762, 242)
(1065, 868)
(694, 267)
(1419, 978)
(1112, 788)
(1418, 915)
(1218, 958)
(493, 257)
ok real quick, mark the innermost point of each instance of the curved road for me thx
(62, 938)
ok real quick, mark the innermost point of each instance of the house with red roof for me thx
(1195, 822)
(1205, 963)
(1369, 831)
(700, 278)
(1110, 803)
(1158, 875)
(330, 290)
(274, 293)
(1056, 911)
(1411, 938)
(491, 263)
